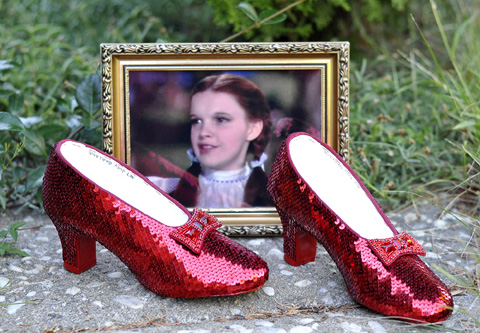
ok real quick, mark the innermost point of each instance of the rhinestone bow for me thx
(389, 249)
(193, 233)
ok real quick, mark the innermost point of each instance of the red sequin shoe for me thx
(91, 196)
(319, 197)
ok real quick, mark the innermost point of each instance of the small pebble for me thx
(73, 291)
(306, 321)
(36, 270)
(303, 283)
(11, 309)
(409, 217)
(115, 275)
(235, 311)
(275, 253)
(349, 327)
(264, 323)
(301, 329)
(433, 255)
(376, 327)
(130, 301)
(98, 303)
(256, 242)
(3, 282)
(15, 268)
(440, 224)
(269, 291)
(94, 284)
(328, 300)
(239, 328)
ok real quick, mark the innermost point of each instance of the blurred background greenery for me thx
(414, 73)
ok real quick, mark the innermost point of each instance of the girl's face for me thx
(221, 131)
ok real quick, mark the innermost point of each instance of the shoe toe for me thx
(234, 268)
(407, 289)
(427, 297)
(222, 268)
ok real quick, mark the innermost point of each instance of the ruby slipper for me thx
(320, 198)
(91, 196)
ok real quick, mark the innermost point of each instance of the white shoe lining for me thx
(118, 180)
(337, 187)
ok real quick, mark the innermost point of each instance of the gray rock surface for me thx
(37, 294)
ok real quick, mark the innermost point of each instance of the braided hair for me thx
(253, 101)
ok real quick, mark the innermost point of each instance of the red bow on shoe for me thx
(193, 233)
(389, 249)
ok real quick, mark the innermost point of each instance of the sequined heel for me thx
(79, 252)
(93, 197)
(319, 197)
(300, 247)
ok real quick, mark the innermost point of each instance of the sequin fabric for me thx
(84, 213)
(405, 288)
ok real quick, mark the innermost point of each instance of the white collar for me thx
(241, 174)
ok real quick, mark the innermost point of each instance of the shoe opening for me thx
(123, 183)
(335, 185)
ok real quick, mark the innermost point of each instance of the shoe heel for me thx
(79, 250)
(299, 246)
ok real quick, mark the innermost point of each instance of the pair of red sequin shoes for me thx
(91, 196)
(320, 198)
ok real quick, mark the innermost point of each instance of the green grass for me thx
(415, 115)
(414, 112)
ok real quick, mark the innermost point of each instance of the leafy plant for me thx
(303, 20)
(27, 139)
(7, 246)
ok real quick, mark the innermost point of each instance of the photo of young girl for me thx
(230, 118)
(230, 128)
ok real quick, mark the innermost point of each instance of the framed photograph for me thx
(204, 121)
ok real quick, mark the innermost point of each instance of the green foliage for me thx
(28, 135)
(86, 24)
(399, 138)
(414, 117)
(264, 15)
(8, 239)
(309, 19)
(417, 116)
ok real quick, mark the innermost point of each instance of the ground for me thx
(308, 298)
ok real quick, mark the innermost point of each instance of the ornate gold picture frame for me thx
(146, 101)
